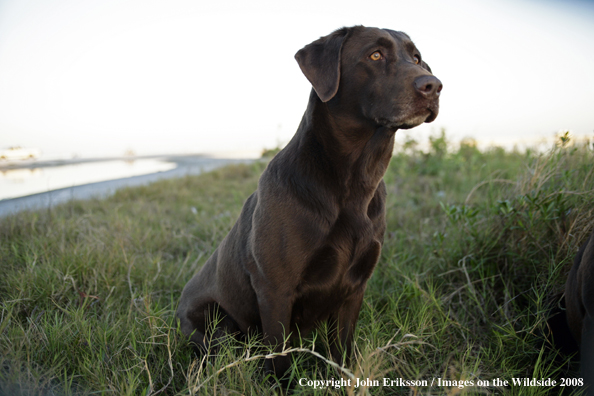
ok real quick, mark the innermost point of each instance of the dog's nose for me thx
(428, 86)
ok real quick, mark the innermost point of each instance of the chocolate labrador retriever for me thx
(579, 303)
(308, 239)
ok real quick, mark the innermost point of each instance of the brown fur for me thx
(308, 239)
(579, 302)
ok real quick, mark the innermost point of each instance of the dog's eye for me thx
(417, 59)
(376, 56)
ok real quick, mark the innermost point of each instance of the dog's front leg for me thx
(275, 313)
(345, 321)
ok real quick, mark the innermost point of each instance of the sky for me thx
(95, 78)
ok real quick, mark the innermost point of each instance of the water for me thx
(22, 182)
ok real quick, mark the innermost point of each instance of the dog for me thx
(579, 305)
(307, 241)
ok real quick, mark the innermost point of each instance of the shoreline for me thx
(6, 165)
(185, 165)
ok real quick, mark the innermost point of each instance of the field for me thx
(474, 260)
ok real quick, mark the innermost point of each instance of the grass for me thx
(476, 252)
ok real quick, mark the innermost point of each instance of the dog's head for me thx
(373, 73)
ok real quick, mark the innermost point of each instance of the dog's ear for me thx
(320, 62)
(425, 66)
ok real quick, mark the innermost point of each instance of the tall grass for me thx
(476, 252)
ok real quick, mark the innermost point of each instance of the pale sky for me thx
(102, 77)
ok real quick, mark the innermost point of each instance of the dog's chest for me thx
(337, 270)
(347, 256)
